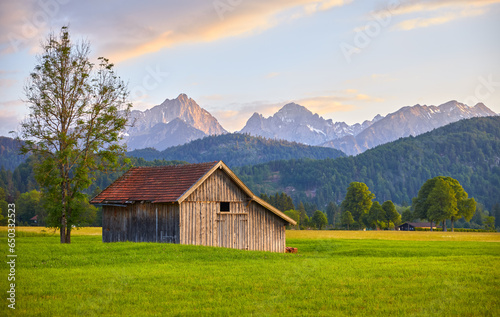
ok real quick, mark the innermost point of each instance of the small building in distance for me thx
(199, 204)
(410, 226)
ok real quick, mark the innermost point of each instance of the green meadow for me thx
(333, 274)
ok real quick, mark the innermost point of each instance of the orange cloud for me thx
(208, 24)
(445, 18)
(449, 10)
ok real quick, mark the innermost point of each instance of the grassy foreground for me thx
(334, 273)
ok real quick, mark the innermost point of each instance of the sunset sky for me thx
(345, 60)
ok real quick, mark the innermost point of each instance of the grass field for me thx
(334, 273)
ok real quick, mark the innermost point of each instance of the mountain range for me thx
(173, 122)
(467, 150)
(407, 121)
(181, 120)
(296, 123)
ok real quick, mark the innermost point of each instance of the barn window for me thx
(224, 206)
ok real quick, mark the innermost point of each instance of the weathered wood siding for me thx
(141, 222)
(266, 230)
(247, 226)
(201, 221)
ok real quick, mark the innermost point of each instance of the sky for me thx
(347, 60)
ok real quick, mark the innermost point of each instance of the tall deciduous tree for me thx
(358, 200)
(443, 203)
(319, 219)
(391, 214)
(347, 219)
(77, 113)
(465, 207)
(489, 223)
(374, 215)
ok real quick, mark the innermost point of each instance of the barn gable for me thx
(200, 204)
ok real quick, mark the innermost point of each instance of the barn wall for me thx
(247, 226)
(201, 221)
(266, 230)
(137, 223)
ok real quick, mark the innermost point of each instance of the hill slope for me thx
(468, 150)
(237, 150)
(9, 153)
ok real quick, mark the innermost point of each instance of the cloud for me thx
(239, 113)
(5, 82)
(9, 117)
(25, 23)
(408, 7)
(326, 104)
(430, 13)
(129, 29)
(208, 21)
(272, 74)
(437, 20)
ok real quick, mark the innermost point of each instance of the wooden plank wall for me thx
(266, 230)
(138, 223)
(246, 226)
(201, 220)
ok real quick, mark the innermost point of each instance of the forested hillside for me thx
(237, 150)
(9, 153)
(468, 150)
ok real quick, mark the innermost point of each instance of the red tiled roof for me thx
(154, 184)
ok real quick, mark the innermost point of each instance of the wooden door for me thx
(232, 230)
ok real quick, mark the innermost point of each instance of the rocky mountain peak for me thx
(408, 121)
(181, 108)
(296, 123)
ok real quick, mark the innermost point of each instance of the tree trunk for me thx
(431, 225)
(452, 225)
(68, 235)
(444, 225)
(62, 230)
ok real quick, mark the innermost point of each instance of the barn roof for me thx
(419, 224)
(168, 184)
(154, 184)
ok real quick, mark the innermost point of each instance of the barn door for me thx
(232, 230)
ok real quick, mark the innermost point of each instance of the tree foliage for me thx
(375, 216)
(279, 200)
(391, 214)
(295, 215)
(319, 219)
(77, 113)
(357, 201)
(347, 220)
(441, 198)
(333, 213)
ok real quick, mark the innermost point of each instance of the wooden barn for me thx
(200, 204)
(410, 226)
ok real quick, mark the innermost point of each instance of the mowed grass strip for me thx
(327, 277)
(395, 235)
(28, 231)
